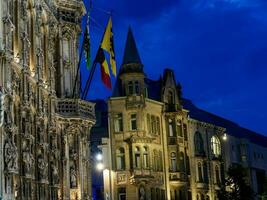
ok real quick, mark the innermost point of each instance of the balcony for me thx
(135, 101)
(139, 175)
(178, 176)
(75, 108)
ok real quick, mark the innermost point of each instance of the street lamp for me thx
(99, 157)
(224, 137)
(99, 166)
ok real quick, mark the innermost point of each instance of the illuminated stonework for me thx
(44, 129)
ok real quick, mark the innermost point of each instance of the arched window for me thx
(217, 174)
(145, 158)
(215, 146)
(199, 172)
(173, 162)
(137, 157)
(199, 144)
(171, 133)
(120, 158)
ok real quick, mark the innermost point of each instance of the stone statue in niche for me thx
(55, 174)
(42, 167)
(73, 178)
(10, 155)
(142, 193)
(28, 160)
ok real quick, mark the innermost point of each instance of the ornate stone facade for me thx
(44, 128)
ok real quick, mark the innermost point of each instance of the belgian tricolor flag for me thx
(107, 45)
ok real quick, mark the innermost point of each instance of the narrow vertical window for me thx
(137, 157)
(148, 123)
(158, 126)
(133, 122)
(173, 162)
(120, 158)
(130, 87)
(217, 174)
(199, 171)
(118, 123)
(145, 158)
(136, 87)
(179, 128)
(170, 128)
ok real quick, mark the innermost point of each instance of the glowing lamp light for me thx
(224, 137)
(99, 157)
(100, 166)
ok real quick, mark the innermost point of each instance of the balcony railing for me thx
(75, 108)
(178, 176)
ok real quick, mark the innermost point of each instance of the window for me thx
(179, 128)
(160, 161)
(118, 123)
(199, 172)
(205, 172)
(136, 87)
(120, 158)
(130, 87)
(122, 193)
(217, 174)
(170, 97)
(133, 87)
(145, 158)
(137, 157)
(181, 162)
(155, 162)
(199, 145)
(173, 162)
(153, 124)
(171, 134)
(185, 132)
(215, 146)
(133, 122)
(148, 123)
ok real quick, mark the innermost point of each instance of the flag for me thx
(105, 75)
(86, 45)
(108, 45)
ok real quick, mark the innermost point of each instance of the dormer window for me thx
(133, 87)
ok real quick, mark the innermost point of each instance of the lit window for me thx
(118, 123)
(120, 158)
(215, 146)
(171, 134)
(133, 122)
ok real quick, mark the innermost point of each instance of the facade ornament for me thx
(42, 167)
(28, 160)
(25, 49)
(10, 155)
(55, 174)
(73, 178)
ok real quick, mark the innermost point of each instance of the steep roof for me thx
(231, 128)
(131, 54)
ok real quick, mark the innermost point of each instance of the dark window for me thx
(133, 122)
(199, 144)
(122, 193)
(120, 158)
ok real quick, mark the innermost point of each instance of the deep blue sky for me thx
(217, 48)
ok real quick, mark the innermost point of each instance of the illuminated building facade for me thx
(44, 126)
(161, 146)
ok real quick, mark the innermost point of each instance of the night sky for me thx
(217, 48)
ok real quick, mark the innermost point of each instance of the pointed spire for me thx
(131, 59)
(131, 54)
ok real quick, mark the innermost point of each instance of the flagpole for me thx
(77, 71)
(88, 82)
